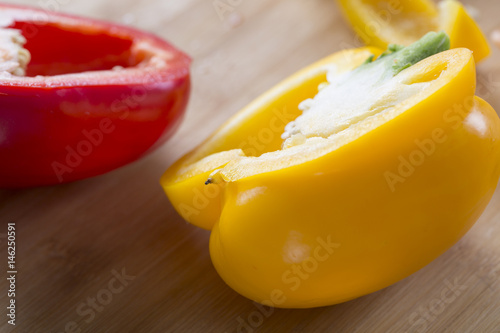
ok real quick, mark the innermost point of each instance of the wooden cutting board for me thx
(117, 238)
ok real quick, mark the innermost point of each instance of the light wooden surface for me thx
(71, 239)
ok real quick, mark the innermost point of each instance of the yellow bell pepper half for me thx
(311, 221)
(381, 22)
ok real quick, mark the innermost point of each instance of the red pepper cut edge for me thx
(96, 96)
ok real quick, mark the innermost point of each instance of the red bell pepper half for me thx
(95, 97)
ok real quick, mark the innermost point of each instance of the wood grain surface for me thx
(73, 240)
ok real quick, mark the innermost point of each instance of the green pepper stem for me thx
(429, 45)
(397, 58)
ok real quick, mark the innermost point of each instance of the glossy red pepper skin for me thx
(73, 116)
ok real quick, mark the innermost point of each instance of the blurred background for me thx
(74, 239)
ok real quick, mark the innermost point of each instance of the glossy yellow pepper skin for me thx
(354, 220)
(380, 23)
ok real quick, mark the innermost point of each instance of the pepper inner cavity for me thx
(368, 90)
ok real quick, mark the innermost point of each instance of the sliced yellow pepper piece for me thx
(255, 130)
(336, 218)
(382, 22)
